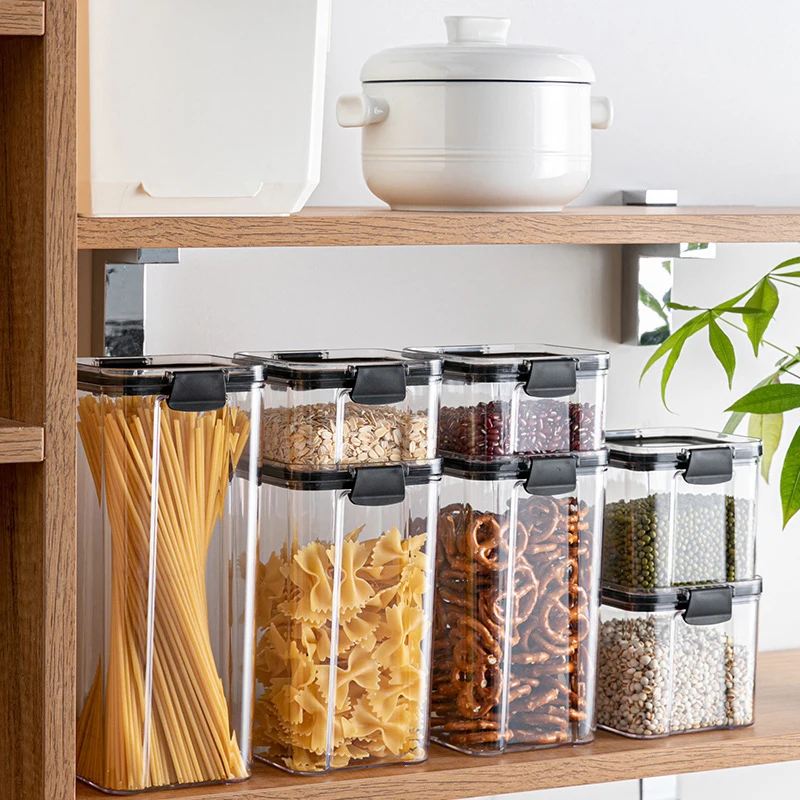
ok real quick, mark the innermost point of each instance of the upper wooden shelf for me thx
(20, 442)
(449, 776)
(21, 18)
(347, 227)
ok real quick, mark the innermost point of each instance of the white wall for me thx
(707, 102)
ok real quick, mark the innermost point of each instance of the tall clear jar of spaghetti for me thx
(517, 597)
(167, 550)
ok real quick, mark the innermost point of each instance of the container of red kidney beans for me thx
(500, 400)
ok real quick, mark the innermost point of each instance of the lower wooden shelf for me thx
(20, 442)
(448, 776)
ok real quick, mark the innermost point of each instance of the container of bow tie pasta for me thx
(681, 508)
(344, 597)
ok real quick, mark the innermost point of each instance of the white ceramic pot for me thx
(476, 124)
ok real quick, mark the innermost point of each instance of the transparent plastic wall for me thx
(661, 531)
(659, 675)
(343, 608)
(167, 543)
(515, 622)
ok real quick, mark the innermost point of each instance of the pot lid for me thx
(477, 50)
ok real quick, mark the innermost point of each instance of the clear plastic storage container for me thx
(343, 607)
(517, 598)
(500, 400)
(681, 508)
(167, 545)
(677, 660)
(335, 408)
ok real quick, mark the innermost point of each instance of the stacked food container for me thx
(680, 593)
(518, 555)
(349, 486)
(166, 570)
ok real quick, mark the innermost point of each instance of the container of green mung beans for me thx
(680, 508)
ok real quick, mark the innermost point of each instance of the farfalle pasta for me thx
(373, 708)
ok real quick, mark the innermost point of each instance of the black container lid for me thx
(675, 598)
(361, 371)
(547, 474)
(377, 480)
(512, 362)
(155, 375)
(670, 448)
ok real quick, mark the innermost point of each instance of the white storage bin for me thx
(192, 107)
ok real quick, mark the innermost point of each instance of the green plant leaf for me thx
(734, 421)
(647, 299)
(772, 399)
(768, 428)
(682, 307)
(795, 274)
(790, 263)
(722, 347)
(732, 302)
(790, 480)
(765, 298)
(679, 337)
(741, 310)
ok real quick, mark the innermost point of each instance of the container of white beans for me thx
(677, 660)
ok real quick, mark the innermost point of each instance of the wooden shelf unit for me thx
(40, 236)
(20, 443)
(449, 776)
(21, 18)
(349, 227)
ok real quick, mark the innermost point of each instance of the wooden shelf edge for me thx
(353, 227)
(20, 442)
(775, 737)
(21, 18)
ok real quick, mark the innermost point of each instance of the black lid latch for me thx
(552, 476)
(552, 378)
(705, 466)
(377, 384)
(379, 486)
(198, 390)
(709, 606)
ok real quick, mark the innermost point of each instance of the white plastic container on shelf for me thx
(192, 107)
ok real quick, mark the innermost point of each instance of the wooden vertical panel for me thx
(37, 352)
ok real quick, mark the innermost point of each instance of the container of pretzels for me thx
(681, 508)
(334, 408)
(516, 606)
(344, 596)
(500, 400)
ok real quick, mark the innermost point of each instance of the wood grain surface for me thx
(20, 442)
(449, 776)
(348, 227)
(21, 18)
(37, 386)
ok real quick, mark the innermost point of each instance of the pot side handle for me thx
(358, 110)
(602, 113)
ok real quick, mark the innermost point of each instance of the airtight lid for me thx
(184, 378)
(647, 449)
(371, 376)
(546, 370)
(477, 50)
(702, 604)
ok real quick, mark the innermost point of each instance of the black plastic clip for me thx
(301, 355)
(126, 362)
(377, 384)
(707, 466)
(202, 390)
(379, 486)
(552, 476)
(709, 606)
(555, 378)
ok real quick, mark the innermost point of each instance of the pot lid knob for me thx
(477, 30)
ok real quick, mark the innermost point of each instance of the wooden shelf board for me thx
(20, 442)
(448, 776)
(346, 227)
(21, 18)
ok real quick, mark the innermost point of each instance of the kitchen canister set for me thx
(326, 560)
(476, 123)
